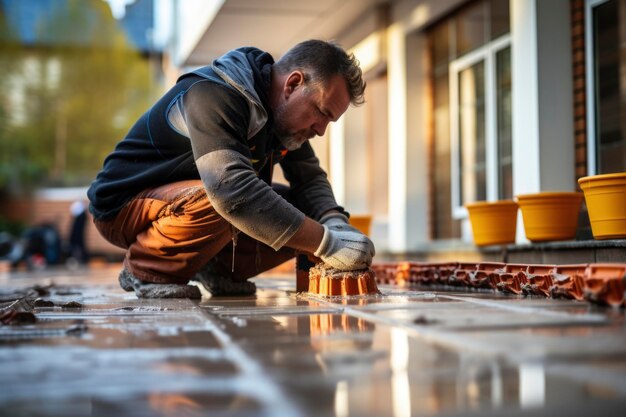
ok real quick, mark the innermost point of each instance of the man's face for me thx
(305, 111)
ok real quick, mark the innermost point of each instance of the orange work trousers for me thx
(172, 231)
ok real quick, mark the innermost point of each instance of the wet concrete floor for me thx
(406, 352)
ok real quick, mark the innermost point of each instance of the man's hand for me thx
(345, 250)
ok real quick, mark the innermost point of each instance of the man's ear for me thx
(293, 81)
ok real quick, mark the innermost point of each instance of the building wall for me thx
(580, 95)
(545, 84)
(395, 62)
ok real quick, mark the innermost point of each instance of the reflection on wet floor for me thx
(407, 352)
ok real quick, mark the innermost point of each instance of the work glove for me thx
(345, 250)
(337, 222)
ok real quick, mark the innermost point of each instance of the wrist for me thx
(334, 217)
(308, 237)
(321, 249)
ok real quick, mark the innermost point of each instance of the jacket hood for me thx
(244, 69)
(245, 66)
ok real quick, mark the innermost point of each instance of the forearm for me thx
(246, 202)
(308, 237)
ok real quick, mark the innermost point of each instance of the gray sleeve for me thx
(245, 201)
(309, 183)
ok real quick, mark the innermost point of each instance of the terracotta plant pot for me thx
(493, 223)
(605, 196)
(550, 215)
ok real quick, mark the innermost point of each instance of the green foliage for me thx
(66, 102)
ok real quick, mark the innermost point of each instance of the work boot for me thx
(143, 289)
(219, 285)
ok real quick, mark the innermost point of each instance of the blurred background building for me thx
(467, 100)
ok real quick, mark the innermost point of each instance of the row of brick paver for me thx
(597, 283)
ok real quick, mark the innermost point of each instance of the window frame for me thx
(487, 54)
(590, 70)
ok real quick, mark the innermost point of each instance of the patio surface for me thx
(406, 352)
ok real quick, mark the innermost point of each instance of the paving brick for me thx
(441, 351)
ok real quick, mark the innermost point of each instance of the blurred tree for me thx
(66, 100)
(13, 162)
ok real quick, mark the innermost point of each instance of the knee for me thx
(197, 210)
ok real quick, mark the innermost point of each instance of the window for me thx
(480, 97)
(504, 123)
(606, 84)
(471, 79)
(470, 130)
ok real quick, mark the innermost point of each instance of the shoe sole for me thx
(151, 290)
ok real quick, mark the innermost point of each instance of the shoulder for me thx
(211, 95)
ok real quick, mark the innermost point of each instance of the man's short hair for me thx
(320, 60)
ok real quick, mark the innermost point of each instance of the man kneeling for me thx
(188, 192)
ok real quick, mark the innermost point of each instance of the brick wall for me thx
(580, 93)
(577, 10)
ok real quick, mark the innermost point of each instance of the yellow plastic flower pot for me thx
(605, 196)
(550, 215)
(493, 223)
(361, 222)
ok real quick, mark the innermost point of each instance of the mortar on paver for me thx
(325, 280)
(315, 277)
